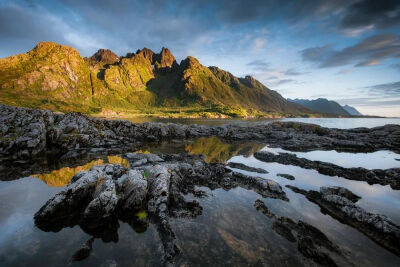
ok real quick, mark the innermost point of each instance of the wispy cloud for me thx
(258, 65)
(387, 89)
(259, 43)
(293, 72)
(370, 51)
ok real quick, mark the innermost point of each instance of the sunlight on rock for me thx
(61, 177)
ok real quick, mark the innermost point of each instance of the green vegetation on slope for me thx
(56, 77)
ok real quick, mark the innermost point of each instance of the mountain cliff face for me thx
(56, 77)
(49, 72)
(351, 110)
(322, 105)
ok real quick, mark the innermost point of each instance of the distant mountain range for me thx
(351, 110)
(56, 77)
(324, 105)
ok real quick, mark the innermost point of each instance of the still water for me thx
(341, 123)
(230, 231)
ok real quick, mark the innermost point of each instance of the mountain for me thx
(56, 77)
(322, 105)
(351, 110)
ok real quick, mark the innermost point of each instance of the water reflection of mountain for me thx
(61, 177)
(215, 150)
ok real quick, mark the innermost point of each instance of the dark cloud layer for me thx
(368, 52)
(372, 13)
(171, 23)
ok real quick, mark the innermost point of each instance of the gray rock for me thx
(285, 175)
(378, 227)
(97, 198)
(100, 210)
(244, 167)
(376, 176)
(132, 189)
(311, 242)
(25, 133)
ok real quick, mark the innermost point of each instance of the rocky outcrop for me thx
(377, 176)
(244, 167)
(154, 185)
(105, 56)
(311, 242)
(165, 61)
(339, 203)
(25, 133)
(286, 176)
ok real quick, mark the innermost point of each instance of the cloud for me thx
(290, 11)
(371, 14)
(285, 81)
(258, 65)
(274, 81)
(125, 25)
(389, 89)
(368, 52)
(395, 66)
(317, 54)
(344, 71)
(293, 72)
(367, 101)
(259, 43)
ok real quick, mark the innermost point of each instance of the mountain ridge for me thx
(352, 110)
(322, 105)
(57, 77)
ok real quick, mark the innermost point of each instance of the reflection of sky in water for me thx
(342, 123)
(347, 123)
(375, 198)
(22, 244)
(229, 232)
(230, 216)
(382, 159)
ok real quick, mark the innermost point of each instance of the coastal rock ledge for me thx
(25, 133)
(152, 190)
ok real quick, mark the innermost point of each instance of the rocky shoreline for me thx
(154, 187)
(377, 176)
(339, 203)
(27, 133)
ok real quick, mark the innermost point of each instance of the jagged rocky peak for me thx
(44, 48)
(147, 54)
(105, 55)
(165, 60)
(45, 45)
(225, 76)
(250, 81)
(189, 62)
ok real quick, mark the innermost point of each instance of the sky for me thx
(343, 50)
